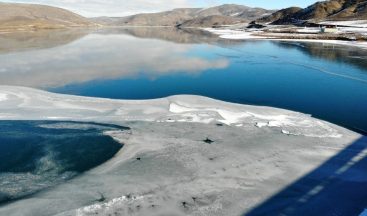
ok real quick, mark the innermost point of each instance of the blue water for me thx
(36, 155)
(326, 81)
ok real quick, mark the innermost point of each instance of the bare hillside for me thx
(31, 16)
(344, 10)
(226, 14)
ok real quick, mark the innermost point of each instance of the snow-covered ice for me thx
(3, 97)
(246, 35)
(254, 153)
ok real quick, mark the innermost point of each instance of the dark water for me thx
(326, 81)
(36, 155)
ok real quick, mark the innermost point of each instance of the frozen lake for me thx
(327, 81)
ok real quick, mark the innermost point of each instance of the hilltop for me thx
(333, 10)
(14, 16)
(227, 14)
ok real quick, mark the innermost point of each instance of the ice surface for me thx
(244, 35)
(3, 97)
(166, 167)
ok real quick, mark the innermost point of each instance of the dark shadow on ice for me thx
(336, 188)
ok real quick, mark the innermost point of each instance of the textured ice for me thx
(166, 167)
(299, 124)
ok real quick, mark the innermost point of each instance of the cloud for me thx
(93, 8)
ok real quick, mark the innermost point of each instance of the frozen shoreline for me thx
(183, 108)
(242, 35)
(255, 152)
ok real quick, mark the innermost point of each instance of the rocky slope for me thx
(32, 16)
(321, 11)
(212, 21)
(281, 16)
(352, 10)
(190, 17)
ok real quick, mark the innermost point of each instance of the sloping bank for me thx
(191, 155)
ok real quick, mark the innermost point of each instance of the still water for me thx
(326, 81)
(36, 155)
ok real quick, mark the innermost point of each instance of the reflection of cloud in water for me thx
(101, 57)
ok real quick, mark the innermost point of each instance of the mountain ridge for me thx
(19, 16)
(331, 10)
(225, 14)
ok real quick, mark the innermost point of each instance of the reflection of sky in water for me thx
(329, 82)
(101, 57)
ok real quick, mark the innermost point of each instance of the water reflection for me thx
(51, 59)
(101, 55)
(187, 36)
(330, 52)
(23, 41)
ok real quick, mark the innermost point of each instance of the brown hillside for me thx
(32, 16)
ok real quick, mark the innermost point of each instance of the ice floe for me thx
(30, 103)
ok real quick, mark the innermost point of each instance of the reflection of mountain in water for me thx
(105, 54)
(187, 36)
(330, 52)
(123, 53)
(22, 41)
(338, 53)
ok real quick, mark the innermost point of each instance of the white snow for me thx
(107, 205)
(352, 23)
(309, 30)
(3, 97)
(261, 124)
(300, 125)
(233, 34)
(244, 35)
(235, 14)
(175, 108)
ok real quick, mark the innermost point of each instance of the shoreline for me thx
(231, 34)
(242, 35)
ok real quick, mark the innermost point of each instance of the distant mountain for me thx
(212, 21)
(281, 16)
(31, 16)
(233, 10)
(167, 18)
(321, 11)
(227, 14)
